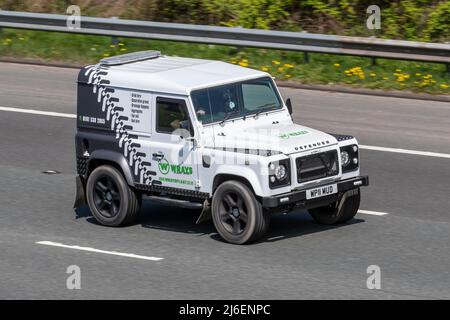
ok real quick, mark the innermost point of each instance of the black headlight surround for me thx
(286, 181)
(352, 154)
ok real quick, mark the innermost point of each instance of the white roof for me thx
(177, 75)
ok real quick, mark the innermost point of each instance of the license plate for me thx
(321, 191)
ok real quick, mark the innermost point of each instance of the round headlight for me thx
(345, 158)
(280, 172)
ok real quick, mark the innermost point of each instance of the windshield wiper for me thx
(227, 116)
(264, 108)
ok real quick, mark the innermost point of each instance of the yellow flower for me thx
(373, 74)
(264, 68)
(444, 86)
(287, 65)
(418, 74)
(280, 69)
(276, 62)
(234, 62)
(121, 44)
(106, 54)
(123, 49)
(385, 78)
(243, 64)
(112, 46)
(337, 65)
(398, 70)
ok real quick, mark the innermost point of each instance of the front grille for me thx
(317, 166)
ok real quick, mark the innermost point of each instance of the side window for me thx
(171, 114)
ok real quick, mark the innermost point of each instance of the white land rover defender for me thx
(205, 134)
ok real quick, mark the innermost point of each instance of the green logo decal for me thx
(164, 167)
(292, 134)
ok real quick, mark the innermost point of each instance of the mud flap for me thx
(80, 198)
(205, 215)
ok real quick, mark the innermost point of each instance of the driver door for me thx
(173, 154)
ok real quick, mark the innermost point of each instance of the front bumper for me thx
(298, 197)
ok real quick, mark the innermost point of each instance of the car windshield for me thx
(235, 100)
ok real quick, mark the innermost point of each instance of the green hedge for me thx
(422, 20)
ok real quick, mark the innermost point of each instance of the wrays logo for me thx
(165, 167)
(287, 135)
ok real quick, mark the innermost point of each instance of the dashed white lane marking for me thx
(375, 148)
(406, 151)
(127, 255)
(39, 112)
(374, 213)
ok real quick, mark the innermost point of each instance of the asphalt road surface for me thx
(297, 260)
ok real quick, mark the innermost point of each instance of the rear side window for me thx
(170, 113)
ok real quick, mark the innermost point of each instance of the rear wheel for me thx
(237, 215)
(112, 202)
(340, 211)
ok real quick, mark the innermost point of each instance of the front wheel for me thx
(112, 202)
(237, 215)
(340, 211)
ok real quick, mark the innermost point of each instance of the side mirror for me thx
(289, 105)
(193, 140)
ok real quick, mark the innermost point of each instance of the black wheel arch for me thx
(222, 177)
(115, 159)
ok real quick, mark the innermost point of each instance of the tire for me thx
(340, 211)
(112, 202)
(237, 215)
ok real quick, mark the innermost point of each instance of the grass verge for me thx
(284, 65)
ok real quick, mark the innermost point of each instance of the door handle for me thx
(158, 155)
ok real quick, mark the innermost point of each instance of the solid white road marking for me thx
(375, 148)
(406, 151)
(127, 255)
(39, 112)
(374, 213)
